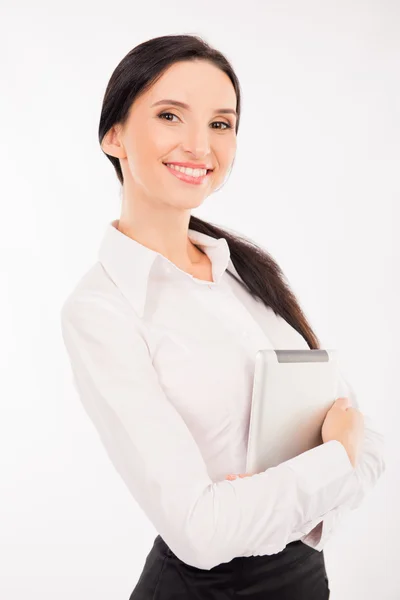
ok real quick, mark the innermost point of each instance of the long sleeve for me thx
(205, 523)
(370, 467)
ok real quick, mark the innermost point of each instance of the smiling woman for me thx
(185, 73)
(163, 360)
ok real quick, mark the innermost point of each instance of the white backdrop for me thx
(315, 182)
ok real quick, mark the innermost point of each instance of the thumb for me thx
(343, 403)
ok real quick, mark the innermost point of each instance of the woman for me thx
(162, 334)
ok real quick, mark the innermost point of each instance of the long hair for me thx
(138, 71)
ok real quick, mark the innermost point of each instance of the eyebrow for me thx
(224, 111)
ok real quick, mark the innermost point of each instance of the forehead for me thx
(194, 82)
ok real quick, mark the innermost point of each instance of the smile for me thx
(194, 176)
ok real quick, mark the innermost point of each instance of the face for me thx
(157, 134)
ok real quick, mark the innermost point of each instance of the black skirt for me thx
(296, 573)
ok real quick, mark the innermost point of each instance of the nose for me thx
(197, 142)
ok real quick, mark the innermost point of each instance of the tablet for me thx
(292, 393)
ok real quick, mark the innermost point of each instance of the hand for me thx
(342, 423)
(346, 425)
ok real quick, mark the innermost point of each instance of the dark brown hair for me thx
(139, 70)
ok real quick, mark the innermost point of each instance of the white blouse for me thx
(163, 363)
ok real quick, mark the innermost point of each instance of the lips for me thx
(208, 170)
(190, 179)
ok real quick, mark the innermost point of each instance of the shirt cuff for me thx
(325, 478)
(317, 534)
(330, 462)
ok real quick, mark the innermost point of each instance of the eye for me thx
(227, 125)
(166, 113)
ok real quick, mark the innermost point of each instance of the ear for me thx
(112, 143)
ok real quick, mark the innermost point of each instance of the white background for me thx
(315, 182)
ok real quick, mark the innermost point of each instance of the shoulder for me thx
(96, 295)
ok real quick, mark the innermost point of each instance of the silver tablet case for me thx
(292, 392)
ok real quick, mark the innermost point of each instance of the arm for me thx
(204, 522)
(371, 465)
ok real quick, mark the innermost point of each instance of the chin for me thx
(186, 203)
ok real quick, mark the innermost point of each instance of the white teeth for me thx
(188, 171)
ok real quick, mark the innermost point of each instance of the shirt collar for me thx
(128, 263)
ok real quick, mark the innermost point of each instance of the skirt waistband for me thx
(293, 553)
(298, 571)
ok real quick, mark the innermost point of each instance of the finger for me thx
(342, 403)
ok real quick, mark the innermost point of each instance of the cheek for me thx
(149, 138)
(232, 152)
(225, 152)
(160, 137)
(144, 155)
(225, 162)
